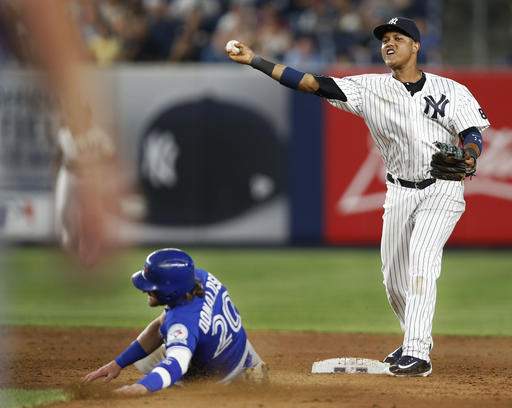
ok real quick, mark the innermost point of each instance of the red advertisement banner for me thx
(354, 172)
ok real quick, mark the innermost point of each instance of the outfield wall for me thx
(221, 155)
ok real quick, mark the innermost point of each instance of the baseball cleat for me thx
(257, 374)
(408, 366)
(393, 357)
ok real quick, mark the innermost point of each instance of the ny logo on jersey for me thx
(393, 20)
(438, 107)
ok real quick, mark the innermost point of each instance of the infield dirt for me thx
(468, 371)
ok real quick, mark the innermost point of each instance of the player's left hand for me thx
(133, 390)
(108, 372)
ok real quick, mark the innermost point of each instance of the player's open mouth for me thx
(390, 51)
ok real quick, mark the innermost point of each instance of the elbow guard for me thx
(328, 89)
(472, 136)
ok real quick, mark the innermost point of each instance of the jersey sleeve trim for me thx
(182, 355)
(163, 375)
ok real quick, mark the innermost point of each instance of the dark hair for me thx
(197, 290)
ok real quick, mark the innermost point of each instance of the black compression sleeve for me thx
(328, 89)
(262, 65)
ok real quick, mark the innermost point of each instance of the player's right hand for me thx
(108, 371)
(245, 55)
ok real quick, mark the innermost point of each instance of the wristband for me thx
(291, 78)
(261, 64)
(134, 352)
(472, 136)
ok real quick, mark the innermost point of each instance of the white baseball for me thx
(231, 47)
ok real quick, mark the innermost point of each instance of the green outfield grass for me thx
(17, 398)
(283, 289)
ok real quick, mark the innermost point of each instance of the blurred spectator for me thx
(350, 36)
(104, 46)
(209, 9)
(14, 46)
(188, 44)
(430, 51)
(273, 37)
(160, 32)
(304, 55)
(239, 22)
(197, 30)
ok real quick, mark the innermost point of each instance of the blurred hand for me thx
(93, 233)
(87, 194)
(134, 390)
(108, 371)
(245, 55)
(86, 206)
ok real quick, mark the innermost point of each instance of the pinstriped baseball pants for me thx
(416, 226)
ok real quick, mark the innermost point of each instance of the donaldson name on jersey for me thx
(210, 327)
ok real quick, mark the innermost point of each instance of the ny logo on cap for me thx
(438, 106)
(393, 20)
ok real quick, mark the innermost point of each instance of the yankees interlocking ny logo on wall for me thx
(438, 107)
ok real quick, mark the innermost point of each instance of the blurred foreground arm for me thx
(59, 53)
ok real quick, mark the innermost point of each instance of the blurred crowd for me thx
(303, 33)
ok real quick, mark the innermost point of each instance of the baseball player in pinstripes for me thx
(407, 111)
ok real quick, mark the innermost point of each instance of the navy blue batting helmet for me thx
(169, 272)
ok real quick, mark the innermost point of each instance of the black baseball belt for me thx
(419, 185)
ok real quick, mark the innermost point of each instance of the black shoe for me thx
(409, 366)
(393, 357)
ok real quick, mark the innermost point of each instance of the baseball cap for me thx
(400, 24)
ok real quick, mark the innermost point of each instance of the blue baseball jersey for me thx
(210, 327)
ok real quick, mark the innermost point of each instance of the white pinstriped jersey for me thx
(405, 127)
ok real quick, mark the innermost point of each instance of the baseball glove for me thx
(449, 163)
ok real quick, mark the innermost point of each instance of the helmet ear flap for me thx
(166, 298)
